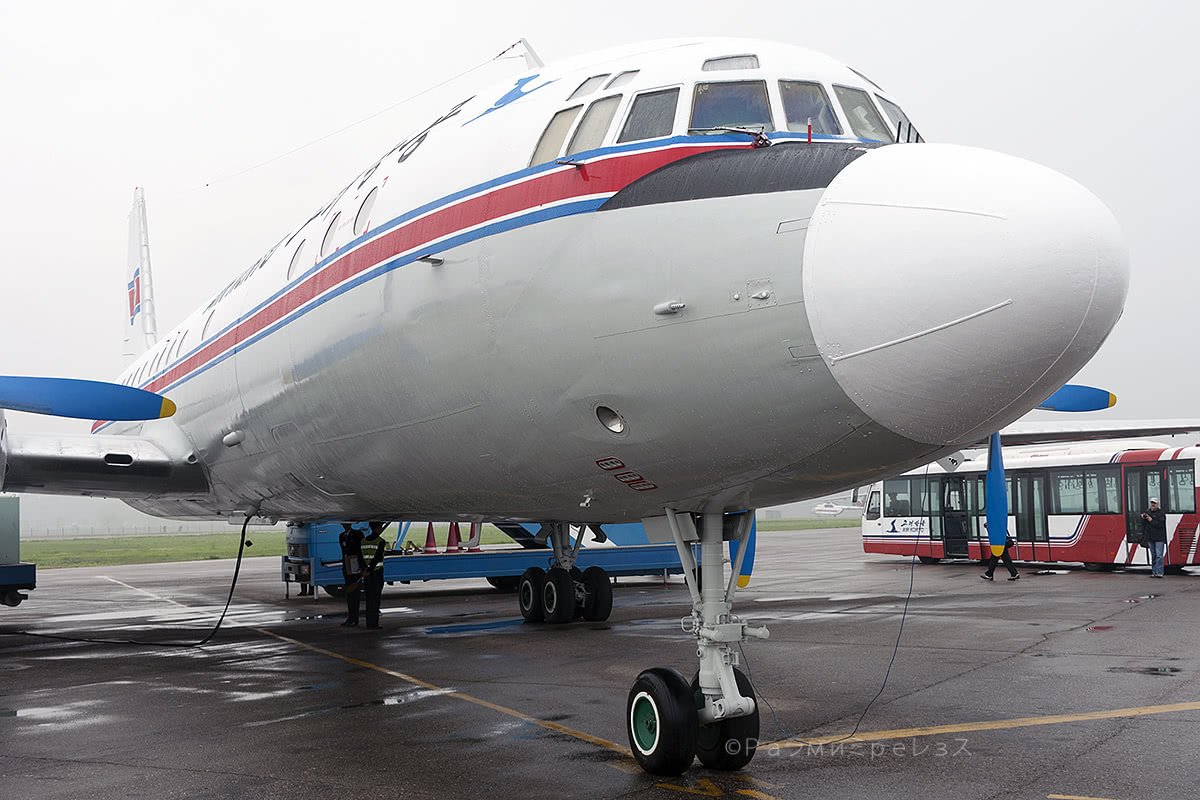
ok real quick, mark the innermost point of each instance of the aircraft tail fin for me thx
(141, 328)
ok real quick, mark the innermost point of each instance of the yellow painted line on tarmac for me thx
(469, 698)
(415, 681)
(990, 725)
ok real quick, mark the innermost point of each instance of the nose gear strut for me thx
(716, 715)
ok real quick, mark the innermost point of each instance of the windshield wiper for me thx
(760, 137)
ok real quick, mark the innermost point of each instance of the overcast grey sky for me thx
(99, 97)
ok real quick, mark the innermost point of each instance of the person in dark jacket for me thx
(373, 546)
(1154, 521)
(353, 565)
(1008, 564)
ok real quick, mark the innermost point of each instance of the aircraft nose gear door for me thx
(670, 721)
(955, 520)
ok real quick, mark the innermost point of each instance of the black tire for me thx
(505, 583)
(661, 722)
(529, 594)
(1173, 569)
(1093, 566)
(335, 590)
(727, 745)
(929, 560)
(558, 596)
(600, 595)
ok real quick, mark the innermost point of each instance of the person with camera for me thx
(1154, 536)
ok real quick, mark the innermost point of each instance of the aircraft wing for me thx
(100, 466)
(1025, 433)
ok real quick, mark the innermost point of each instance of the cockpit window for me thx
(554, 136)
(594, 125)
(651, 115)
(804, 101)
(737, 104)
(327, 242)
(864, 119)
(622, 78)
(895, 115)
(588, 86)
(730, 62)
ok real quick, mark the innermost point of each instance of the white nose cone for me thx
(952, 289)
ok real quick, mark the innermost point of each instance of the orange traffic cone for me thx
(430, 542)
(476, 537)
(454, 542)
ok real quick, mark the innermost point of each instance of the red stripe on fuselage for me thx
(603, 176)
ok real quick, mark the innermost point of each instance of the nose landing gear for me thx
(669, 721)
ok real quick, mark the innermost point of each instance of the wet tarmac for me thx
(1069, 684)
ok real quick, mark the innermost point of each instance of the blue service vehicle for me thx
(560, 572)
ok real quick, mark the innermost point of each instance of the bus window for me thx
(864, 119)
(1066, 492)
(897, 502)
(1181, 489)
(1112, 491)
(872, 507)
(920, 496)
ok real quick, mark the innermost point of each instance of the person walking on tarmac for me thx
(373, 547)
(1008, 563)
(353, 566)
(1154, 522)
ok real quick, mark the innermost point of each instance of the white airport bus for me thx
(1080, 502)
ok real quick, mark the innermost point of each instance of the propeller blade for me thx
(995, 490)
(70, 397)
(1074, 397)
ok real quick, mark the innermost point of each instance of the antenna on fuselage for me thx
(141, 325)
(531, 57)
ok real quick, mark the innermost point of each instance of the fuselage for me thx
(591, 292)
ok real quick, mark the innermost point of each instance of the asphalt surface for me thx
(1067, 684)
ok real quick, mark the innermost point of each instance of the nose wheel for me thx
(715, 717)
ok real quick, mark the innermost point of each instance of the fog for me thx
(188, 100)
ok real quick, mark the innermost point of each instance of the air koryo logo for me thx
(512, 95)
(135, 295)
(907, 526)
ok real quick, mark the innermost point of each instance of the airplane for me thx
(670, 282)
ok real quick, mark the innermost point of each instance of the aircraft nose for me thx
(951, 289)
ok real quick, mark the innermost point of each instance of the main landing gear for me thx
(670, 721)
(564, 592)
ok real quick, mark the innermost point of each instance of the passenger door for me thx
(954, 517)
(1141, 483)
(1029, 508)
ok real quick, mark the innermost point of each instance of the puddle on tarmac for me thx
(473, 627)
(1147, 670)
(401, 699)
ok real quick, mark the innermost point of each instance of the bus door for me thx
(1028, 501)
(955, 521)
(1141, 483)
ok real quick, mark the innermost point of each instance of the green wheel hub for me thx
(645, 723)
